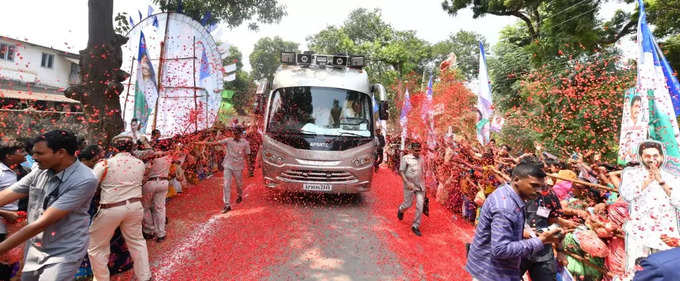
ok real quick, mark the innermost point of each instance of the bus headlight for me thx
(273, 157)
(361, 161)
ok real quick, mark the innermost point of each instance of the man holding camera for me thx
(411, 172)
(498, 247)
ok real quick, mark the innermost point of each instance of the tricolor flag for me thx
(403, 118)
(146, 90)
(659, 91)
(484, 101)
(428, 116)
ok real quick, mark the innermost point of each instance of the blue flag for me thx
(146, 90)
(403, 119)
(180, 6)
(131, 21)
(140, 15)
(150, 12)
(205, 19)
(204, 71)
(659, 91)
(155, 21)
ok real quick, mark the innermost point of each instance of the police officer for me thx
(381, 148)
(234, 161)
(411, 172)
(120, 182)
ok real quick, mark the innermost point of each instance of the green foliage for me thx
(576, 106)
(234, 12)
(465, 44)
(266, 56)
(555, 27)
(507, 67)
(243, 86)
(122, 24)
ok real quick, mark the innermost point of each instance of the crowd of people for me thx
(582, 218)
(90, 209)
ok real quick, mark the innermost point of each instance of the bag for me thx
(426, 206)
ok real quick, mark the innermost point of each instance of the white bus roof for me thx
(314, 76)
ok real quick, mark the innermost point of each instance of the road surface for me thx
(286, 236)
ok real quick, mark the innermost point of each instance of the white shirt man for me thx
(234, 161)
(654, 196)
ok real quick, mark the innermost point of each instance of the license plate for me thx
(317, 187)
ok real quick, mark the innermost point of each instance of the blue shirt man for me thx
(498, 248)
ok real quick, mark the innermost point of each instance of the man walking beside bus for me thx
(411, 171)
(234, 161)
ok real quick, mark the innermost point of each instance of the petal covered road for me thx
(286, 236)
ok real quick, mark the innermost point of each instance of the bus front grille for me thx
(317, 176)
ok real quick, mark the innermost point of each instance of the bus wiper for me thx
(350, 134)
(293, 131)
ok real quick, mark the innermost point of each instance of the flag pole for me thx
(160, 71)
(194, 76)
(127, 95)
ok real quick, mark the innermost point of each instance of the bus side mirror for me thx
(382, 110)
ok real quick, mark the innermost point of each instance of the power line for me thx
(561, 12)
(581, 14)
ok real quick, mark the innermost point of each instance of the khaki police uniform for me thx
(233, 163)
(120, 206)
(155, 192)
(412, 168)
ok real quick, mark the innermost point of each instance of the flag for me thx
(205, 19)
(230, 68)
(204, 71)
(428, 116)
(155, 21)
(403, 118)
(484, 101)
(150, 11)
(657, 90)
(180, 6)
(131, 21)
(140, 15)
(146, 91)
(230, 77)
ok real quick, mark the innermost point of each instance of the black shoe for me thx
(147, 236)
(416, 231)
(400, 215)
(160, 239)
(226, 209)
(239, 199)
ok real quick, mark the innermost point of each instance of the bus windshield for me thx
(320, 111)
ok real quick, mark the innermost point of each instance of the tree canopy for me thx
(234, 12)
(266, 56)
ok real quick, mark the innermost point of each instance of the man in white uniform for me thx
(654, 194)
(234, 161)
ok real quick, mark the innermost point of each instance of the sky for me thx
(63, 24)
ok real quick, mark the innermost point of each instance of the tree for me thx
(507, 68)
(577, 108)
(465, 44)
(665, 16)
(555, 27)
(100, 74)
(392, 54)
(234, 12)
(243, 86)
(266, 56)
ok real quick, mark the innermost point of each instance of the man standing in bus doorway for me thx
(411, 172)
(234, 161)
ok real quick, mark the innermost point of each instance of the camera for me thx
(549, 228)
